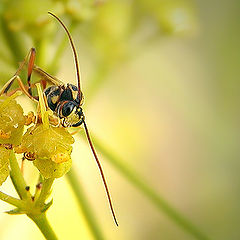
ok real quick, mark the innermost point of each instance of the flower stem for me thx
(83, 204)
(53, 66)
(41, 46)
(44, 226)
(13, 41)
(97, 80)
(20, 186)
(17, 178)
(11, 200)
(46, 187)
(141, 184)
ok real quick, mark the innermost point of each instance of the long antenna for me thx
(74, 52)
(101, 171)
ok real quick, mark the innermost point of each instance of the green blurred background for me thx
(161, 88)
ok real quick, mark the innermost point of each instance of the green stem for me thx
(44, 226)
(141, 184)
(20, 185)
(52, 67)
(12, 40)
(11, 200)
(17, 178)
(41, 46)
(83, 203)
(97, 80)
(6, 59)
(104, 68)
(46, 187)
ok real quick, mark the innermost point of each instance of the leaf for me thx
(15, 211)
(47, 206)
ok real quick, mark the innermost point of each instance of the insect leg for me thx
(73, 133)
(22, 164)
(46, 76)
(7, 86)
(21, 85)
(30, 68)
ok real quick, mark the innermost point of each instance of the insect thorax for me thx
(57, 94)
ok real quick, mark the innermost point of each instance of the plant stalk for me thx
(13, 42)
(20, 186)
(44, 226)
(142, 185)
(83, 203)
(53, 66)
(11, 200)
(17, 178)
(46, 188)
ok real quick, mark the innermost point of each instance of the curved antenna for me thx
(74, 52)
(101, 171)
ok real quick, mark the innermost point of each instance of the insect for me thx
(65, 100)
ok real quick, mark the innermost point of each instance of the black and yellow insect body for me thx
(64, 101)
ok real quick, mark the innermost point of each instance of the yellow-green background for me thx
(167, 104)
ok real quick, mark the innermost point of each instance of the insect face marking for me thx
(70, 113)
(55, 99)
(52, 94)
(74, 91)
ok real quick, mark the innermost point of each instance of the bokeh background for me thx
(161, 85)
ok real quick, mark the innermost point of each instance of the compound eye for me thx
(67, 109)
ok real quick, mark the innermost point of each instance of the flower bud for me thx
(11, 121)
(51, 148)
(50, 169)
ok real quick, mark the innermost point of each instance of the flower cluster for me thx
(11, 130)
(48, 146)
(50, 149)
(30, 16)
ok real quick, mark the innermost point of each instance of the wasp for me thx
(65, 100)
